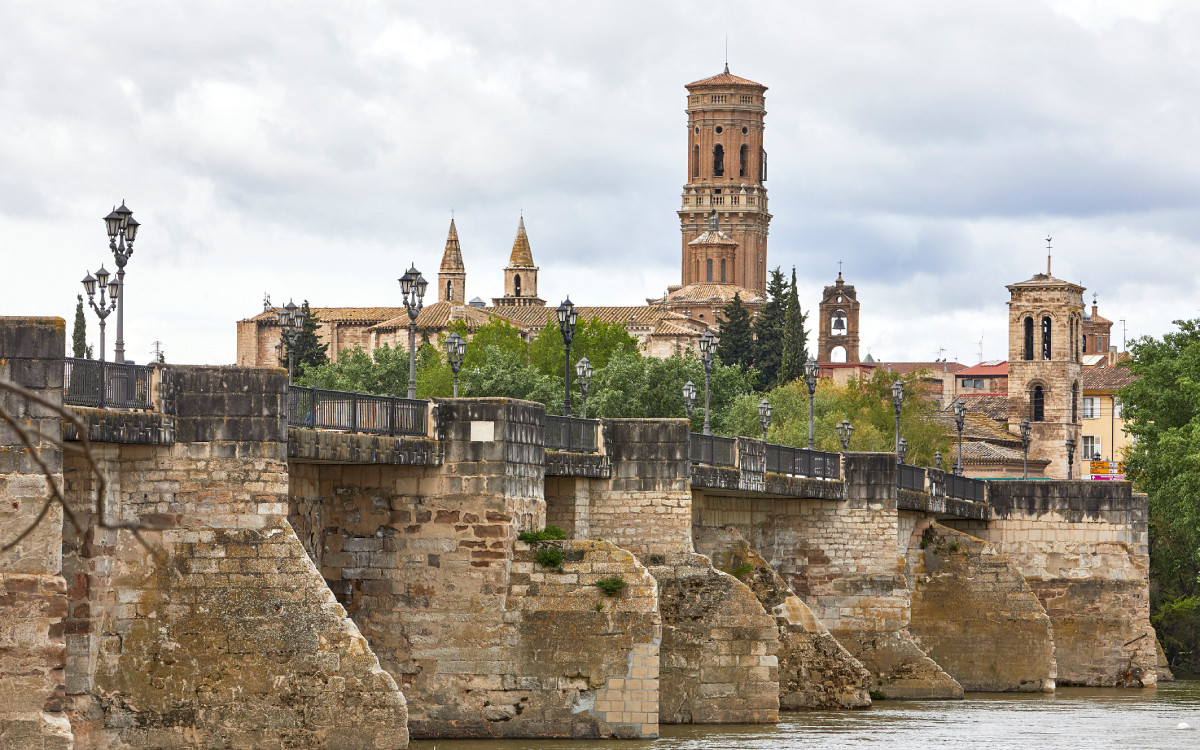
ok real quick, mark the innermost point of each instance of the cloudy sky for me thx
(313, 149)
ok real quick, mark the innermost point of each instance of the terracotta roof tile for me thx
(713, 237)
(725, 79)
(986, 369)
(977, 427)
(936, 368)
(708, 292)
(436, 316)
(991, 405)
(1107, 378)
(370, 315)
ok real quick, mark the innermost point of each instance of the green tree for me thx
(498, 333)
(309, 351)
(594, 339)
(1162, 413)
(504, 375)
(795, 338)
(736, 346)
(768, 330)
(79, 345)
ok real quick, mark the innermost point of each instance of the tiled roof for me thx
(522, 256)
(708, 292)
(370, 315)
(991, 405)
(713, 237)
(977, 427)
(1107, 378)
(977, 452)
(436, 316)
(536, 317)
(1041, 279)
(986, 369)
(452, 261)
(725, 79)
(937, 368)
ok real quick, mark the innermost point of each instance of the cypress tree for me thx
(79, 347)
(737, 342)
(310, 352)
(768, 330)
(795, 338)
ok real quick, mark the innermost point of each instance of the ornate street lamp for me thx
(412, 289)
(764, 416)
(455, 349)
(960, 415)
(122, 230)
(1070, 456)
(689, 398)
(103, 309)
(583, 370)
(811, 372)
(567, 315)
(844, 431)
(708, 346)
(291, 321)
(897, 401)
(902, 450)
(1025, 446)
(937, 459)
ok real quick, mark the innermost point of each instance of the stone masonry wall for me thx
(223, 633)
(975, 615)
(33, 596)
(1083, 548)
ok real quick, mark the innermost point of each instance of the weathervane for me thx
(1048, 238)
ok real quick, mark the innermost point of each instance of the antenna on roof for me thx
(266, 302)
(981, 346)
(726, 53)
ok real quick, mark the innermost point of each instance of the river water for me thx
(1070, 718)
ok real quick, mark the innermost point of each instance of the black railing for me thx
(106, 385)
(713, 450)
(320, 409)
(911, 478)
(801, 462)
(965, 488)
(572, 434)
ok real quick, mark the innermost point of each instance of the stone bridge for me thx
(330, 589)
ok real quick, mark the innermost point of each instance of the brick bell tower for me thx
(727, 169)
(837, 337)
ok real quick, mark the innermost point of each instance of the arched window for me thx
(718, 160)
(837, 324)
(1046, 337)
(517, 285)
(1084, 342)
(708, 263)
(722, 270)
(696, 275)
(762, 165)
(1074, 402)
(449, 288)
(695, 161)
(745, 168)
(1028, 339)
(1038, 404)
(837, 354)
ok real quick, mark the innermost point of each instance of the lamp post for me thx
(764, 416)
(708, 344)
(844, 431)
(1025, 447)
(811, 372)
(583, 369)
(122, 230)
(291, 320)
(103, 309)
(1070, 456)
(455, 349)
(960, 415)
(937, 459)
(567, 314)
(902, 450)
(689, 398)
(412, 289)
(897, 401)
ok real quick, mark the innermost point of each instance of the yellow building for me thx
(1103, 435)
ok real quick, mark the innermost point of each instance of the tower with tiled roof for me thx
(520, 277)
(452, 276)
(727, 172)
(837, 335)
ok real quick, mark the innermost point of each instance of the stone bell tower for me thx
(1045, 323)
(727, 172)
(520, 277)
(837, 336)
(452, 276)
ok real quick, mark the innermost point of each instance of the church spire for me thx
(522, 256)
(520, 278)
(452, 258)
(452, 276)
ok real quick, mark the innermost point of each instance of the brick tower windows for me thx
(837, 333)
(1046, 337)
(745, 160)
(718, 160)
(709, 266)
(695, 161)
(1037, 403)
(1028, 339)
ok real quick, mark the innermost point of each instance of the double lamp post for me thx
(122, 230)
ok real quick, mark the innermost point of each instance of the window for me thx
(696, 161)
(517, 285)
(1028, 339)
(1084, 337)
(1074, 402)
(763, 165)
(745, 168)
(1038, 403)
(1117, 408)
(719, 130)
(722, 270)
(837, 324)
(1091, 448)
(718, 160)
(745, 130)
(1089, 407)
(1046, 337)
(709, 264)
(972, 382)
(449, 290)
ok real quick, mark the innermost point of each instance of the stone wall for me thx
(221, 633)
(33, 597)
(975, 615)
(1083, 548)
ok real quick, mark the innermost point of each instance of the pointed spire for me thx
(522, 256)
(452, 261)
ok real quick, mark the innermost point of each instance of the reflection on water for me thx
(1070, 718)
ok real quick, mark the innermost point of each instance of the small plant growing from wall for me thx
(532, 536)
(550, 557)
(742, 571)
(612, 585)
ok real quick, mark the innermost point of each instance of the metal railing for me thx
(572, 434)
(106, 385)
(911, 478)
(965, 488)
(713, 450)
(801, 462)
(320, 409)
